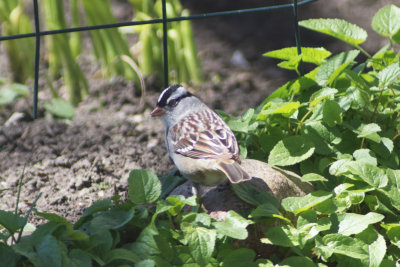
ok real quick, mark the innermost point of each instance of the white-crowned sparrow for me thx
(200, 143)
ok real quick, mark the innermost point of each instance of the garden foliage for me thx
(337, 126)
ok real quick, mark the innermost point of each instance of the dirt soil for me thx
(74, 163)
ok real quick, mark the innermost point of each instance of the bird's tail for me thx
(234, 172)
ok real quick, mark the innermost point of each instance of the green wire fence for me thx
(164, 20)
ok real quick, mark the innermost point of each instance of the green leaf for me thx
(242, 257)
(369, 131)
(146, 263)
(351, 223)
(338, 28)
(7, 255)
(286, 109)
(389, 75)
(12, 222)
(121, 254)
(111, 219)
(368, 173)
(49, 251)
(201, 242)
(393, 233)
(297, 205)
(344, 245)
(279, 235)
(334, 66)
(60, 108)
(313, 177)
(292, 64)
(10, 92)
(78, 257)
(291, 150)
(264, 210)
(392, 190)
(332, 113)
(377, 251)
(100, 205)
(365, 155)
(241, 123)
(234, 226)
(309, 54)
(386, 21)
(297, 261)
(252, 195)
(144, 186)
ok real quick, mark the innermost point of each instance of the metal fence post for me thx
(37, 56)
(165, 41)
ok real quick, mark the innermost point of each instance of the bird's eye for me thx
(173, 103)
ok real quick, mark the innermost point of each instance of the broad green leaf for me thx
(352, 223)
(7, 255)
(297, 261)
(392, 190)
(389, 75)
(98, 206)
(250, 194)
(49, 251)
(144, 186)
(334, 66)
(292, 64)
(321, 94)
(291, 150)
(264, 210)
(309, 54)
(297, 205)
(241, 123)
(145, 244)
(374, 204)
(279, 235)
(10, 92)
(386, 21)
(60, 108)
(111, 219)
(201, 242)
(290, 88)
(369, 131)
(234, 226)
(146, 263)
(344, 245)
(242, 257)
(393, 233)
(384, 148)
(286, 109)
(368, 173)
(313, 177)
(377, 251)
(365, 155)
(119, 254)
(332, 113)
(78, 258)
(338, 28)
(12, 222)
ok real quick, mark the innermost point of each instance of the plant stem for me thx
(363, 51)
(302, 120)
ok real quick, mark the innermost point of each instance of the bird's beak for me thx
(157, 112)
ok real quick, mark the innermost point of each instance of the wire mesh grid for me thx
(164, 20)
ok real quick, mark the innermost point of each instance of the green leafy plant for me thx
(184, 64)
(109, 45)
(61, 53)
(338, 126)
(14, 21)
